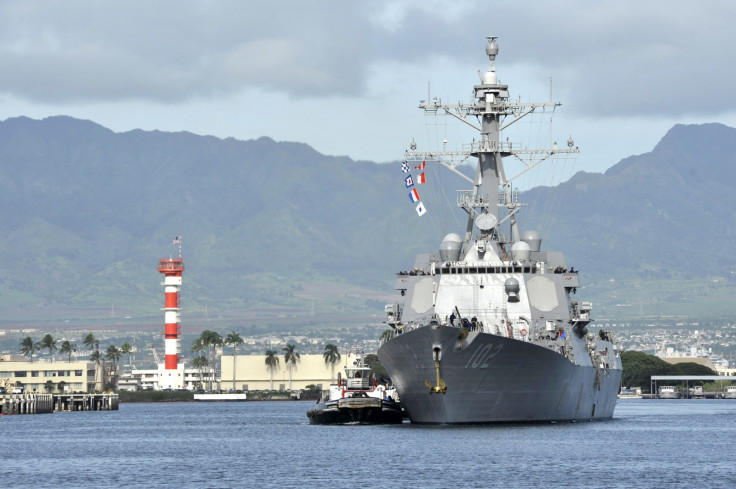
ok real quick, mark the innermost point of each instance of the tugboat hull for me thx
(361, 410)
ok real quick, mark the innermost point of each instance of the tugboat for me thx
(357, 399)
(487, 329)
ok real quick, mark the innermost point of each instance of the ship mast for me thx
(491, 188)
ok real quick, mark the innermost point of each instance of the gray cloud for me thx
(620, 58)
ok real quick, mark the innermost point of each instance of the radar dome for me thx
(521, 250)
(511, 286)
(533, 239)
(489, 78)
(450, 247)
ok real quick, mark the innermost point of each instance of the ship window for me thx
(472, 270)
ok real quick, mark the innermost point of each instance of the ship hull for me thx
(493, 379)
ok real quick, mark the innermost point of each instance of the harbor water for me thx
(649, 443)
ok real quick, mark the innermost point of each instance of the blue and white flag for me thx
(421, 209)
(405, 167)
(409, 181)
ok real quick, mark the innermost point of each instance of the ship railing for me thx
(519, 329)
(466, 199)
(466, 318)
(488, 145)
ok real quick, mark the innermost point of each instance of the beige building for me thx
(77, 376)
(705, 362)
(252, 373)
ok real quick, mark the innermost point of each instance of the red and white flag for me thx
(421, 178)
(420, 166)
(414, 195)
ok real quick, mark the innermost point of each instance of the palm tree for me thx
(198, 346)
(91, 342)
(234, 340)
(331, 356)
(212, 339)
(48, 342)
(199, 349)
(199, 363)
(28, 347)
(127, 349)
(272, 361)
(68, 348)
(49, 386)
(113, 354)
(290, 359)
(96, 358)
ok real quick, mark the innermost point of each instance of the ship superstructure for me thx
(488, 330)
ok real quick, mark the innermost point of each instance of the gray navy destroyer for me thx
(488, 331)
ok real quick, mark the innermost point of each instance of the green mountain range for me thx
(655, 235)
(277, 230)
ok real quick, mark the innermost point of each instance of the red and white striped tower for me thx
(172, 269)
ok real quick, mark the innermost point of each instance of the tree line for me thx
(204, 349)
(29, 347)
(639, 368)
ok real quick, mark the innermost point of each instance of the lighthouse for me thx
(171, 372)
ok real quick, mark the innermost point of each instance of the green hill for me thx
(276, 229)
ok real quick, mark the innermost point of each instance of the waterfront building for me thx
(704, 361)
(160, 378)
(67, 377)
(252, 373)
(129, 382)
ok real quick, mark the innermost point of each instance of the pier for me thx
(26, 403)
(684, 381)
(49, 403)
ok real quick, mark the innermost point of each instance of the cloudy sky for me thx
(346, 77)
